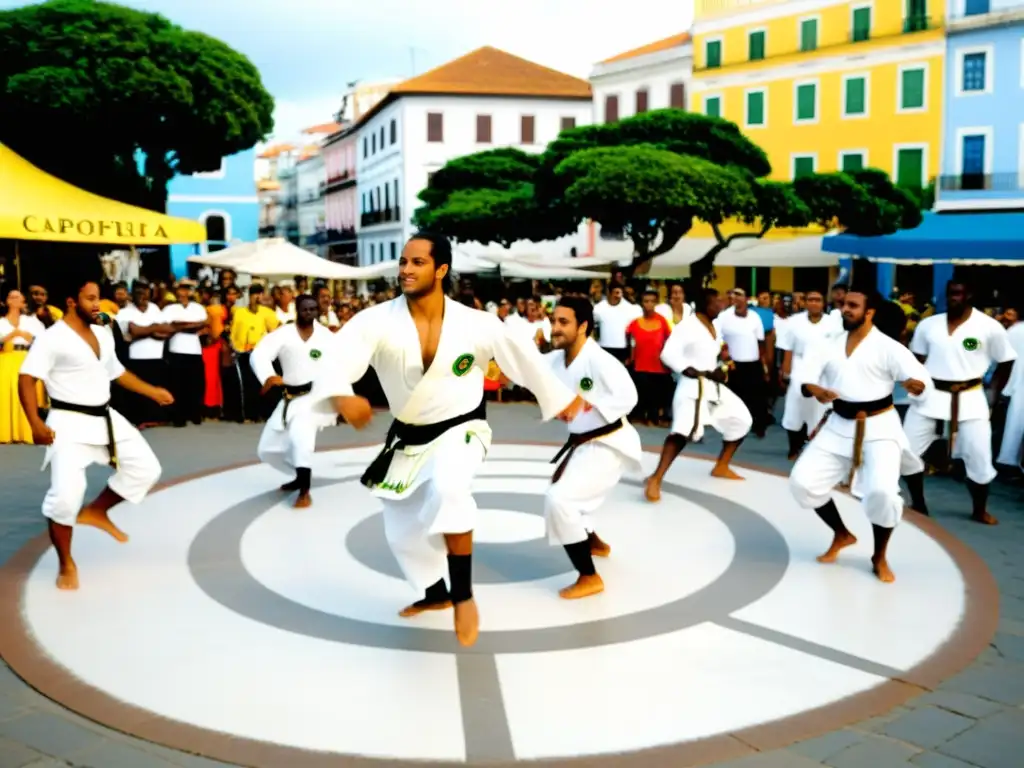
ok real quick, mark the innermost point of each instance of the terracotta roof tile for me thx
(326, 128)
(655, 47)
(274, 150)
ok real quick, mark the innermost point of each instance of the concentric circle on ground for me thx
(235, 627)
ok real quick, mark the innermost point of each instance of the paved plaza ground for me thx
(975, 718)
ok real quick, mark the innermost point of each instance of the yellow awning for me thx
(37, 206)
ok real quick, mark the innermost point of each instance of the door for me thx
(972, 174)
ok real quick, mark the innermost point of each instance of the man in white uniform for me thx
(1013, 432)
(860, 440)
(957, 348)
(701, 397)
(612, 317)
(805, 336)
(430, 354)
(602, 443)
(288, 440)
(76, 361)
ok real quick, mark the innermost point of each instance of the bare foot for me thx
(839, 543)
(94, 518)
(881, 569)
(585, 586)
(304, 500)
(792, 457)
(985, 519)
(422, 606)
(67, 578)
(652, 489)
(467, 622)
(598, 548)
(725, 473)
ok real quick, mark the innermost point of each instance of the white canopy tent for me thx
(277, 258)
(462, 264)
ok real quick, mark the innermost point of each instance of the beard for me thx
(852, 325)
(86, 317)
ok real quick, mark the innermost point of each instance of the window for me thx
(851, 161)
(713, 106)
(808, 34)
(755, 108)
(755, 45)
(917, 16)
(382, 137)
(641, 101)
(713, 54)
(216, 232)
(364, 208)
(483, 129)
(677, 96)
(910, 167)
(366, 147)
(806, 102)
(398, 210)
(373, 253)
(611, 109)
(803, 165)
(974, 72)
(435, 127)
(912, 87)
(394, 131)
(973, 159)
(394, 250)
(975, 7)
(568, 123)
(387, 197)
(526, 129)
(855, 96)
(861, 24)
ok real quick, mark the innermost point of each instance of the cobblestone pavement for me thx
(973, 719)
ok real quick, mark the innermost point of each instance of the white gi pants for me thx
(138, 471)
(288, 448)
(801, 411)
(442, 503)
(973, 444)
(591, 474)
(721, 410)
(876, 484)
(1013, 433)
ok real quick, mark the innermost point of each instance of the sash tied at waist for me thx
(100, 412)
(859, 413)
(576, 439)
(401, 435)
(290, 393)
(954, 388)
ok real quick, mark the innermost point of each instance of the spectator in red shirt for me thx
(653, 380)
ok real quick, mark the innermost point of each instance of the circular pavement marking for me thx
(751, 655)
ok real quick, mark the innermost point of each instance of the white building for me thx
(483, 100)
(311, 178)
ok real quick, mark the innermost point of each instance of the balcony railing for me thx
(370, 218)
(344, 179)
(986, 12)
(336, 236)
(982, 182)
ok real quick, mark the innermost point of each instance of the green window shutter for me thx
(853, 162)
(806, 98)
(856, 96)
(756, 44)
(910, 168)
(913, 89)
(861, 25)
(803, 166)
(809, 35)
(713, 54)
(755, 108)
(713, 106)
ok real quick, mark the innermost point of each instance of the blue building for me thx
(983, 152)
(224, 200)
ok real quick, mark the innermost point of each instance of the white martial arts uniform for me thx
(868, 375)
(73, 373)
(804, 340)
(426, 491)
(964, 355)
(1013, 433)
(289, 446)
(597, 465)
(699, 403)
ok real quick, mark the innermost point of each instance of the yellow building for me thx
(826, 85)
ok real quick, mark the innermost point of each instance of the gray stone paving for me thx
(975, 719)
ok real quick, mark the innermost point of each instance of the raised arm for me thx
(521, 362)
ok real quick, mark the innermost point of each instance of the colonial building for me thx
(983, 155)
(825, 85)
(654, 76)
(310, 181)
(485, 99)
(341, 201)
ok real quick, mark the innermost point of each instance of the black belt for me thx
(401, 435)
(576, 440)
(954, 388)
(859, 413)
(850, 410)
(290, 393)
(100, 412)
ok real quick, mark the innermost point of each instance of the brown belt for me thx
(576, 440)
(859, 413)
(954, 388)
(290, 393)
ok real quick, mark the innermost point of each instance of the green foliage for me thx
(85, 86)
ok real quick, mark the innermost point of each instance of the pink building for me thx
(340, 198)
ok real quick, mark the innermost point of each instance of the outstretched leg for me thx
(673, 446)
(879, 564)
(460, 574)
(841, 536)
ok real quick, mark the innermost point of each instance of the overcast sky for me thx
(307, 50)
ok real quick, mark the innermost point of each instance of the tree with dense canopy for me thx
(86, 86)
(651, 177)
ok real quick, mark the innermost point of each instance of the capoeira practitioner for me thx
(805, 334)
(602, 443)
(860, 440)
(76, 361)
(701, 397)
(957, 349)
(430, 354)
(289, 436)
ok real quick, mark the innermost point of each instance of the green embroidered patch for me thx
(971, 344)
(586, 383)
(315, 354)
(462, 364)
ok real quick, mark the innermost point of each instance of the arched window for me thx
(218, 230)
